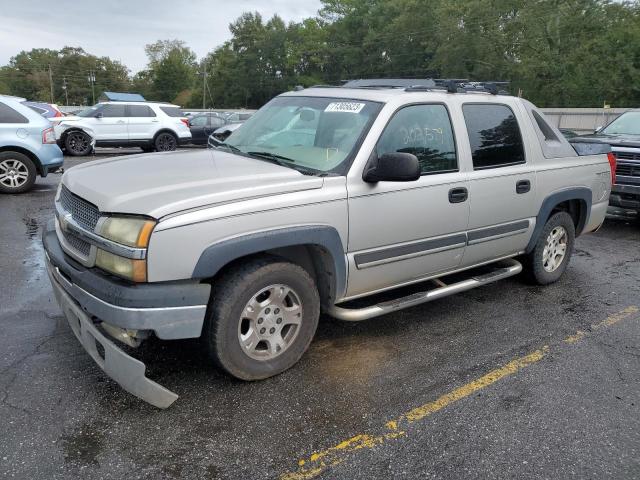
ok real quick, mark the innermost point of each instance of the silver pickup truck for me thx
(325, 198)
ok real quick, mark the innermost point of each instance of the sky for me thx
(120, 29)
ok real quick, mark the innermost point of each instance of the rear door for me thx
(142, 123)
(110, 123)
(502, 183)
(400, 232)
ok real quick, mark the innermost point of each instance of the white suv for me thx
(150, 126)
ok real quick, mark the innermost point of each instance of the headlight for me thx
(130, 231)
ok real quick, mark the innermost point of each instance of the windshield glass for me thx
(88, 112)
(626, 124)
(306, 132)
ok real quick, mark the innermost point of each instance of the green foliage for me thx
(562, 53)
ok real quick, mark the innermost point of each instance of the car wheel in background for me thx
(166, 142)
(550, 257)
(77, 144)
(17, 172)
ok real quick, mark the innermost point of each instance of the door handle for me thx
(458, 195)
(523, 186)
(120, 121)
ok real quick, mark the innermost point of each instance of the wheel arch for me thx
(317, 249)
(575, 201)
(25, 151)
(164, 130)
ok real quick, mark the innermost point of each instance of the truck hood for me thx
(632, 141)
(164, 183)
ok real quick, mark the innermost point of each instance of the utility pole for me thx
(64, 87)
(204, 84)
(51, 83)
(92, 79)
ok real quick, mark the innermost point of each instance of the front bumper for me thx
(128, 372)
(89, 299)
(625, 196)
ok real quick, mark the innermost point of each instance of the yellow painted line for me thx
(607, 322)
(320, 461)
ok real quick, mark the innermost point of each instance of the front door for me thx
(110, 123)
(402, 232)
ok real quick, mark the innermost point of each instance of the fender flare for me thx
(582, 194)
(219, 254)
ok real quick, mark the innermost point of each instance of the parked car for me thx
(623, 134)
(203, 125)
(325, 196)
(238, 117)
(27, 146)
(47, 110)
(148, 125)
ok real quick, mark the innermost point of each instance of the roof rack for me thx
(449, 85)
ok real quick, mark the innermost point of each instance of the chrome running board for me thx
(507, 268)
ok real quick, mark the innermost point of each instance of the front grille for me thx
(84, 248)
(627, 155)
(84, 213)
(628, 169)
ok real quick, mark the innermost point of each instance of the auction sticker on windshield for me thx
(348, 107)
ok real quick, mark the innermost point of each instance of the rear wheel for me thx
(263, 318)
(77, 144)
(166, 142)
(17, 172)
(550, 257)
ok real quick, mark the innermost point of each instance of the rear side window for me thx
(109, 111)
(172, 111)
(199, 121)
(216, 121)
(9, 115)
(140, 111)
(425, 131)
(494, 136)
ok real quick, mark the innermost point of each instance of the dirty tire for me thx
(535, 262)
(17, 172)
(232, 293)
(77, 143)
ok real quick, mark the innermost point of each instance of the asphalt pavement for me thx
(506, 381)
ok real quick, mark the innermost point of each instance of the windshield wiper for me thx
(229, 147)
(272, 156)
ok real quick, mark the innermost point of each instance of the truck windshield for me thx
(306, 133)
(626, 124)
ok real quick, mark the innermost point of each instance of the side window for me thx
(425, 131)
(140, 111)
(113, 110)
(217, 122)
(494, 135)
(199, 121)
(9, 115)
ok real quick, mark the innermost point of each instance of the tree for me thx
(171, 71)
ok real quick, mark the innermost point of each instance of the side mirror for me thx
(393, 167)
(99, 115)
(190, 122)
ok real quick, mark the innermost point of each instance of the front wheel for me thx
(78, 144)
(263, 317)
(17, 172)
(166, 142)
(550, 257)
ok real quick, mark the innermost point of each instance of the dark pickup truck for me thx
(623, 134)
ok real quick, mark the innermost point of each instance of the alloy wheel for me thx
(13, 173)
